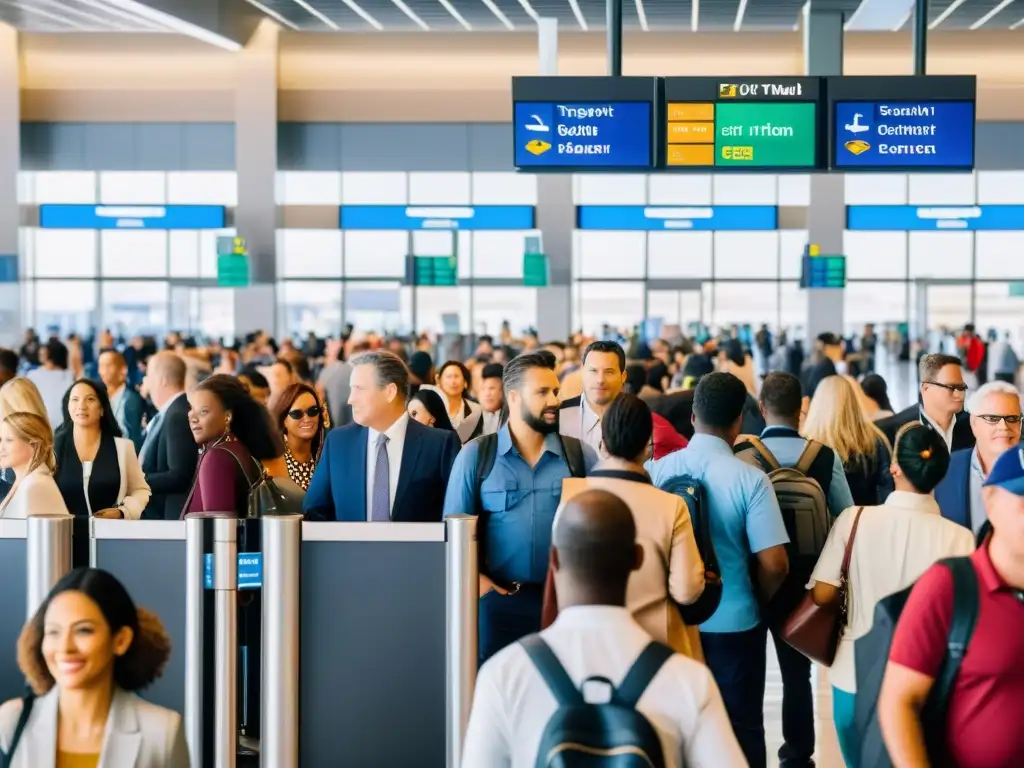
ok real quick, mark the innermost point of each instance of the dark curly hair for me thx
(142, 663)
(108, 422)
(250, 421)
(282, 402)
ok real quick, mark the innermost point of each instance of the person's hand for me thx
(710, 577)
(110, 514)
(486, 586)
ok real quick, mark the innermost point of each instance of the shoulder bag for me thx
(815, 630)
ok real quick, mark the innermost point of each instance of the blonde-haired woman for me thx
(18, 396)
(837, 420)
(26, 446)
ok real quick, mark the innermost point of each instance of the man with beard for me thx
(513, 480)
(604, 373)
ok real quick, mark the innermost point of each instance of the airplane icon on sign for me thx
(538, 126)
(855, 126)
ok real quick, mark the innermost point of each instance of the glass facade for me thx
(153, 280)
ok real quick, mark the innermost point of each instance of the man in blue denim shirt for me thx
(519, 497)
(745, 520)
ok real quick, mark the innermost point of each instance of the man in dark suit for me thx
(169, 454)
(385, 466)
(995, 419)
(127, 403)
(942, 403)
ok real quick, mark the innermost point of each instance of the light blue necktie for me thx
(380, 508)
(147, 444)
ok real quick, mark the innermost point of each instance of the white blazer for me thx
(134, 492)
(138, 734)
(37, 495)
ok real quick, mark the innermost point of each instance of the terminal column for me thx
(10, 163)
(556, 217)
(826, 215)
(256, 167)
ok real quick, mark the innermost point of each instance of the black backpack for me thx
(26, 711)
(871, 653)
(692, 492)
(611, 735)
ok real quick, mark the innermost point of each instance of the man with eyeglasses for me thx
(942, 402)
(995, 421)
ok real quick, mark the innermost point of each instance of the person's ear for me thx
(763, 410)
(638, 551)
(894, 469)
(123, 640)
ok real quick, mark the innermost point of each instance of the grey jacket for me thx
(138, 735)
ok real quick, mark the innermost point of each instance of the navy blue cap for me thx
(1008, 472)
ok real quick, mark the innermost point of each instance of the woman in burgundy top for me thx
(234, 434)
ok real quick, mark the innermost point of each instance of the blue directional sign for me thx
(905, 218)
(600, 135)
(413, 217)
(938, 134)
(250, 570)
(676, 217)
(65, 216)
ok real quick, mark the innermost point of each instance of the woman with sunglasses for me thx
(300, 416)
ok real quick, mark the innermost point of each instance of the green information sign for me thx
(232, 270)
(759, 134)
(440, 271)
(535, 270)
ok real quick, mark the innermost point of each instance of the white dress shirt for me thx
(512, 703)
(396, 444)
(947, 434)
(492, 422)
(582, 423)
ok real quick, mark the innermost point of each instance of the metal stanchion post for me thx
(194, 671)
(279, 697)
(463, 597)
(225, 586)
(48, 540)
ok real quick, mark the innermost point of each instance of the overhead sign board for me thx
(676, 217)
(413, 217)
(914, 123)
(67, 216)
(565, 123)
(741, 123)
(906, 218)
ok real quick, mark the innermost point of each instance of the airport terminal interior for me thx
(219, 172)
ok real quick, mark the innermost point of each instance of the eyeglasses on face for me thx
(961, 388)
(995, 418)
(312, 412)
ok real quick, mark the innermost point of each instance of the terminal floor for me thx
(827, 754)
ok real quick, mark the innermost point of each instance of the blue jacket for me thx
(954, 492)
(337, 491)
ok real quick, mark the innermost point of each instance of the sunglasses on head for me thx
(312, 412)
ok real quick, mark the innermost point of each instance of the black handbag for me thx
(265, 498)
(26, 711)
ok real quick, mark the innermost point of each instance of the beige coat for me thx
(672, 571)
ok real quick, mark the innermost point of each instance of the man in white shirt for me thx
(488, 420)
(594, 553)
(604, 374)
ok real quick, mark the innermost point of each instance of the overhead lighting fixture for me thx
(273, 14)
(578, 14)
(64, 20)
(501, 16)
(641, 14)
(411, 14)
(456, 15)
(695, 15)
(946, 13)
(530, 10)
(990, 15)
(97, 22)
(117, 13)
(854, 15)
(1017, 25)
(317, 14)
(907, 18)
(740, 13)
(176, 25)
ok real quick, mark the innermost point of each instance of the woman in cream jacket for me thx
(672, 573)
(26, 448)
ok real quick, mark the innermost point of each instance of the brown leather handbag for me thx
(814, 629)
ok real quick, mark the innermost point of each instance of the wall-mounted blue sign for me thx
(250, 570)
(584, 135)
(62, 216)
(935, 134)
(9, 268)
(902, 218)
(469, 217)
(680, 218)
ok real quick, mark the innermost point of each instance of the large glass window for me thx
(875, 255)
(375, 305)
(609, 255)
(309, 306)
(998, 305)
(61, 253)
(65, 306)
(679, 255)
(617, 304)
(133, 254)
(120, 187)
(999, 255)
(309, 253)
(941, 255)
(131, 308)
(745, 255)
